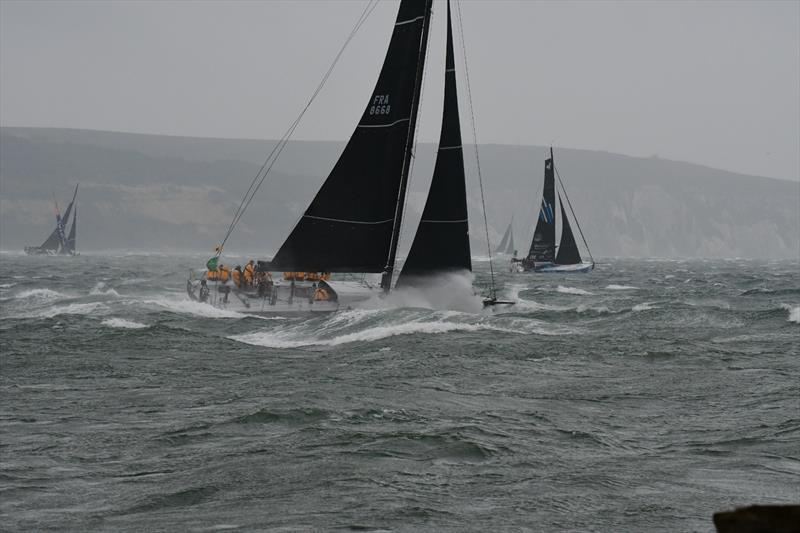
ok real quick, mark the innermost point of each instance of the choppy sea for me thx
(644, 396)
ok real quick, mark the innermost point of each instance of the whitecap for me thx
(122, 323)
(97, 290)
(572, 290)
(794, 312)
(195, 308)
(601, 309)
(645, 306)
(39, 294)
(71, 309)
(613, 287)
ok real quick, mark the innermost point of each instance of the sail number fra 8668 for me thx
(380, 105)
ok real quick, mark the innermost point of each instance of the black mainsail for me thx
(543, 246)
(350, 223)
(568, 253)
(441, 243)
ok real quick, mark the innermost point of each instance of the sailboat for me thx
(352, 225)
(506, 245)
(544, 255)
(59, 242)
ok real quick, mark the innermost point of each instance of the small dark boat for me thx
(59, 242)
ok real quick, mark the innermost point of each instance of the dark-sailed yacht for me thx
(544, 255)
(353, 224)
(59, 242)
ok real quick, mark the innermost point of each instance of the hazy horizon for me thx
(713, 84)
(268, 145)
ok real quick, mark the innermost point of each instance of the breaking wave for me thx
(369, 325)
(794, 312)
(572, 290)
(39, 294)
(645, 306)
(97, 290)
(613, 287)
(195, 308)
(289, 339)
(71, 309)
(122, 323)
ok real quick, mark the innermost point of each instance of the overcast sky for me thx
(715, 83)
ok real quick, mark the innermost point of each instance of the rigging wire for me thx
(572, 211)
(265, 169)
(475, 140)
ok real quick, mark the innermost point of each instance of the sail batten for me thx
(349, 224)
(441, 243)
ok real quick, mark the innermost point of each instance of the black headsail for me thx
(54, 240)
(348, 226)
(441, 243)
(70, 248)
(568, 253)
(543, 247)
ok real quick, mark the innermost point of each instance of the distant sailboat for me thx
(506, 245)
(544, 255)
(58, 243)
(353, 223)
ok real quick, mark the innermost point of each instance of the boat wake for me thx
(370, 325)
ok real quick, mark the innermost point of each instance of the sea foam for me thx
(572, 290)
(794, 312)
(290, 339)
(122, 323)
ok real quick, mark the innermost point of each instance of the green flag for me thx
(212, 263)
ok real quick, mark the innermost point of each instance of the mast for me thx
(386, 278)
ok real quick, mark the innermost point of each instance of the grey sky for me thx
(715, 83)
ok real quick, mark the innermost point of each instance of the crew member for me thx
(203, 291)
(248, 272)
(321, 295)
(223, 273)
(238, 276)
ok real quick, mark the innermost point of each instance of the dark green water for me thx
(641, 397)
